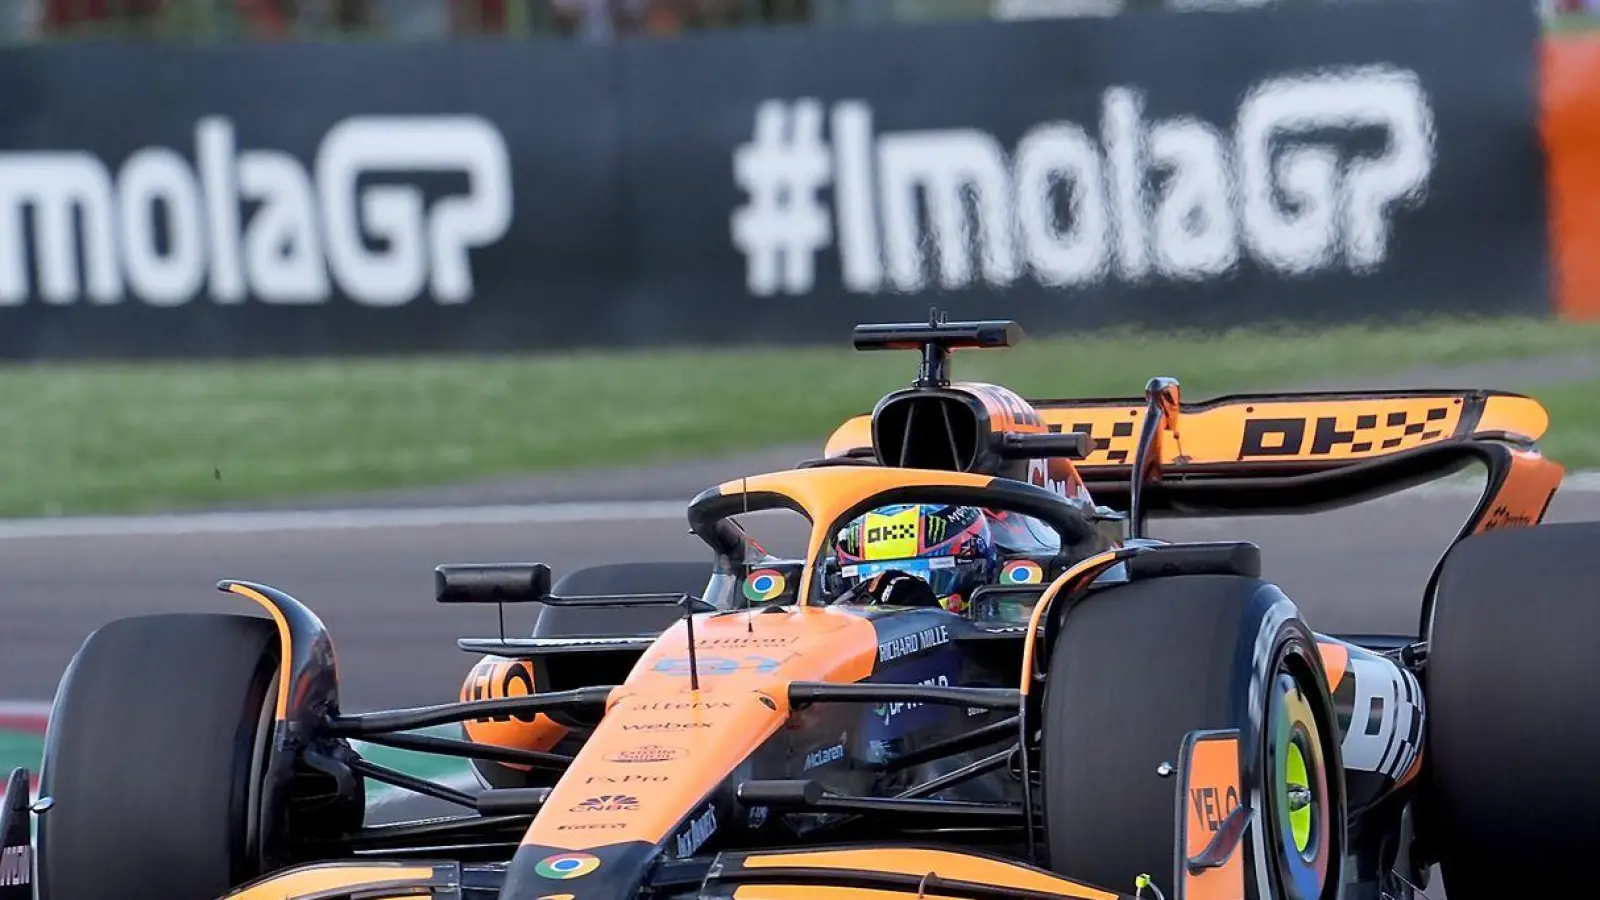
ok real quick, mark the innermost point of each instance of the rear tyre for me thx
(154, 759)
(1137, 667)
(1513, 685)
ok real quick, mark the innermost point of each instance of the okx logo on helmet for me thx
(949, 547)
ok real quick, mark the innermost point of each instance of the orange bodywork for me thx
(1523, 496)
(914, 861)
(663, 746)
(375, 880)
(1007, 411)
(282, 710)
(1335, 657)
(498, 678)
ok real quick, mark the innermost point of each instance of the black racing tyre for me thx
(621, 578)
(153, 759)
(1134, 669)
(1513, 690)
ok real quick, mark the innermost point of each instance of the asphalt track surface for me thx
(1359, 569)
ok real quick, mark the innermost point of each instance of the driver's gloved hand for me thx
(893, 587)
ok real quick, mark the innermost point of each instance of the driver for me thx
(919, 555)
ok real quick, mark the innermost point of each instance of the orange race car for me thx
(978, 677)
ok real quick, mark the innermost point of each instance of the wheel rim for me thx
(1299, 790)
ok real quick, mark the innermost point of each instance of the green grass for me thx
(1574, 436)
(105, 438)
(1572, 23)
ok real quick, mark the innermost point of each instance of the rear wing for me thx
(1268, 433)
(1288, 452)
(1242, 453)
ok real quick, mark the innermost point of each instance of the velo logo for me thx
(1277, 188)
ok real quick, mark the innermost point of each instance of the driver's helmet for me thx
(949, 547)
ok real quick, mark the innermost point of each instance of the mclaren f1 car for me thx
(1100, 714)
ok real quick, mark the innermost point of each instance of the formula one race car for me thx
(980, 679)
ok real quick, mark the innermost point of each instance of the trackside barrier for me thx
(1314, 164)
(1571, 120)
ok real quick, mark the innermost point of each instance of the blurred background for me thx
(205, 20)
(322, 293)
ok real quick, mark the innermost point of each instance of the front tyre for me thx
(154, 759)
(1134, 669)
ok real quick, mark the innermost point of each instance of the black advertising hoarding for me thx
(327, 199)
(1325, 163)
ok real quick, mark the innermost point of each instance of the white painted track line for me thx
(178, 525)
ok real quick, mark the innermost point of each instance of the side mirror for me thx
(1068, 444)
(491, 583)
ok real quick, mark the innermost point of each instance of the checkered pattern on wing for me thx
(1118, 446)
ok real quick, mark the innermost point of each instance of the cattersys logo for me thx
(647, 753)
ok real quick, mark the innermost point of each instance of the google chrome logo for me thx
(764, 585)
(567, 865)
(1022, 571)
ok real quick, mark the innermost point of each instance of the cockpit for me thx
(817, 536)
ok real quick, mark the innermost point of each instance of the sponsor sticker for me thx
(646, 753)
(698, 832)
(679, 706)
(608, 803)
(1022, 571)
(500, 680)
(824, 756)
(717, 665)
(887, 711)
(745, 641)
(915, 642)
(630, 778)
(764, 584)
(562, 866)
(1348, 433)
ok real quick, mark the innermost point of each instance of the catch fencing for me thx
(1312, 164)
